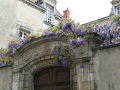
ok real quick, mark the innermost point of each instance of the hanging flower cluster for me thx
(76, 41)
(61, 54)
(61, 60)
(6, 55)
(5, 60)
(14, 45)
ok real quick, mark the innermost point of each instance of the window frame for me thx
(23, 32)
(49, 15)
(117, 9)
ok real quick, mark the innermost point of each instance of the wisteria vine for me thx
(109, 32)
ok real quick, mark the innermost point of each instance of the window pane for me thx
(25, 34)
(20, 34)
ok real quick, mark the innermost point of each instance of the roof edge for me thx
(34, 5)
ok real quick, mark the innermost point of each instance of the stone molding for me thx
(34, 5)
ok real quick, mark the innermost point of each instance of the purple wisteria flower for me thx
(59, 32)
(82, 66)
(47, 33)
(65, 62)
(13, 51)
(61, 60)
(24, 41)
(70, 41)
(51, 50)
(8, 52)
(76, 41)
(67, 27)
(79, 41)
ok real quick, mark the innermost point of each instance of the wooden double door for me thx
(54, 78)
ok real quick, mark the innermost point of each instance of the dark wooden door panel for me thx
(62, 87)
(44, 88)
(61, 75)
(53, 79)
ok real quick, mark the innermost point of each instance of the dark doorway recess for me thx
(54, 78)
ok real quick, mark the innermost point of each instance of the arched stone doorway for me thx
(53, 78)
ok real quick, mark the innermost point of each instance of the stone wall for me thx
(107, 64)
(29, 16)
(6, 78)
(8, 29)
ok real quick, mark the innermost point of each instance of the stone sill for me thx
(48, 23)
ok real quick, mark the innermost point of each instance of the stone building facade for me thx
(91, 66)
(20, 17)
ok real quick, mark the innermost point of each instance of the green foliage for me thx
(2, 50)
(12, 41)
(53, 29)
(41, 30)
(88, 27)
(66, 20)
(32, 35)
(95, 22)
(3, 58)
(116, 17)
(78, 24)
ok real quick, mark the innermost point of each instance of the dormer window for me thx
(117, 10)
(49, 14)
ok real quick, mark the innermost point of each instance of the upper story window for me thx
(23, 33)
(117, 9)
(49, 14)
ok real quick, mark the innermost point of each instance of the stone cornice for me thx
(34, 5)
(115, 1)
(40, 41)
(106, 47)
(58, 17)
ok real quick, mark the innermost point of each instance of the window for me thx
(23, 33)
(117, 9)
(49, 14)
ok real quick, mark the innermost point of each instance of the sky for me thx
(84, 11)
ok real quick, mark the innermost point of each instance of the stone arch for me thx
(35, 56)
(28, 72)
